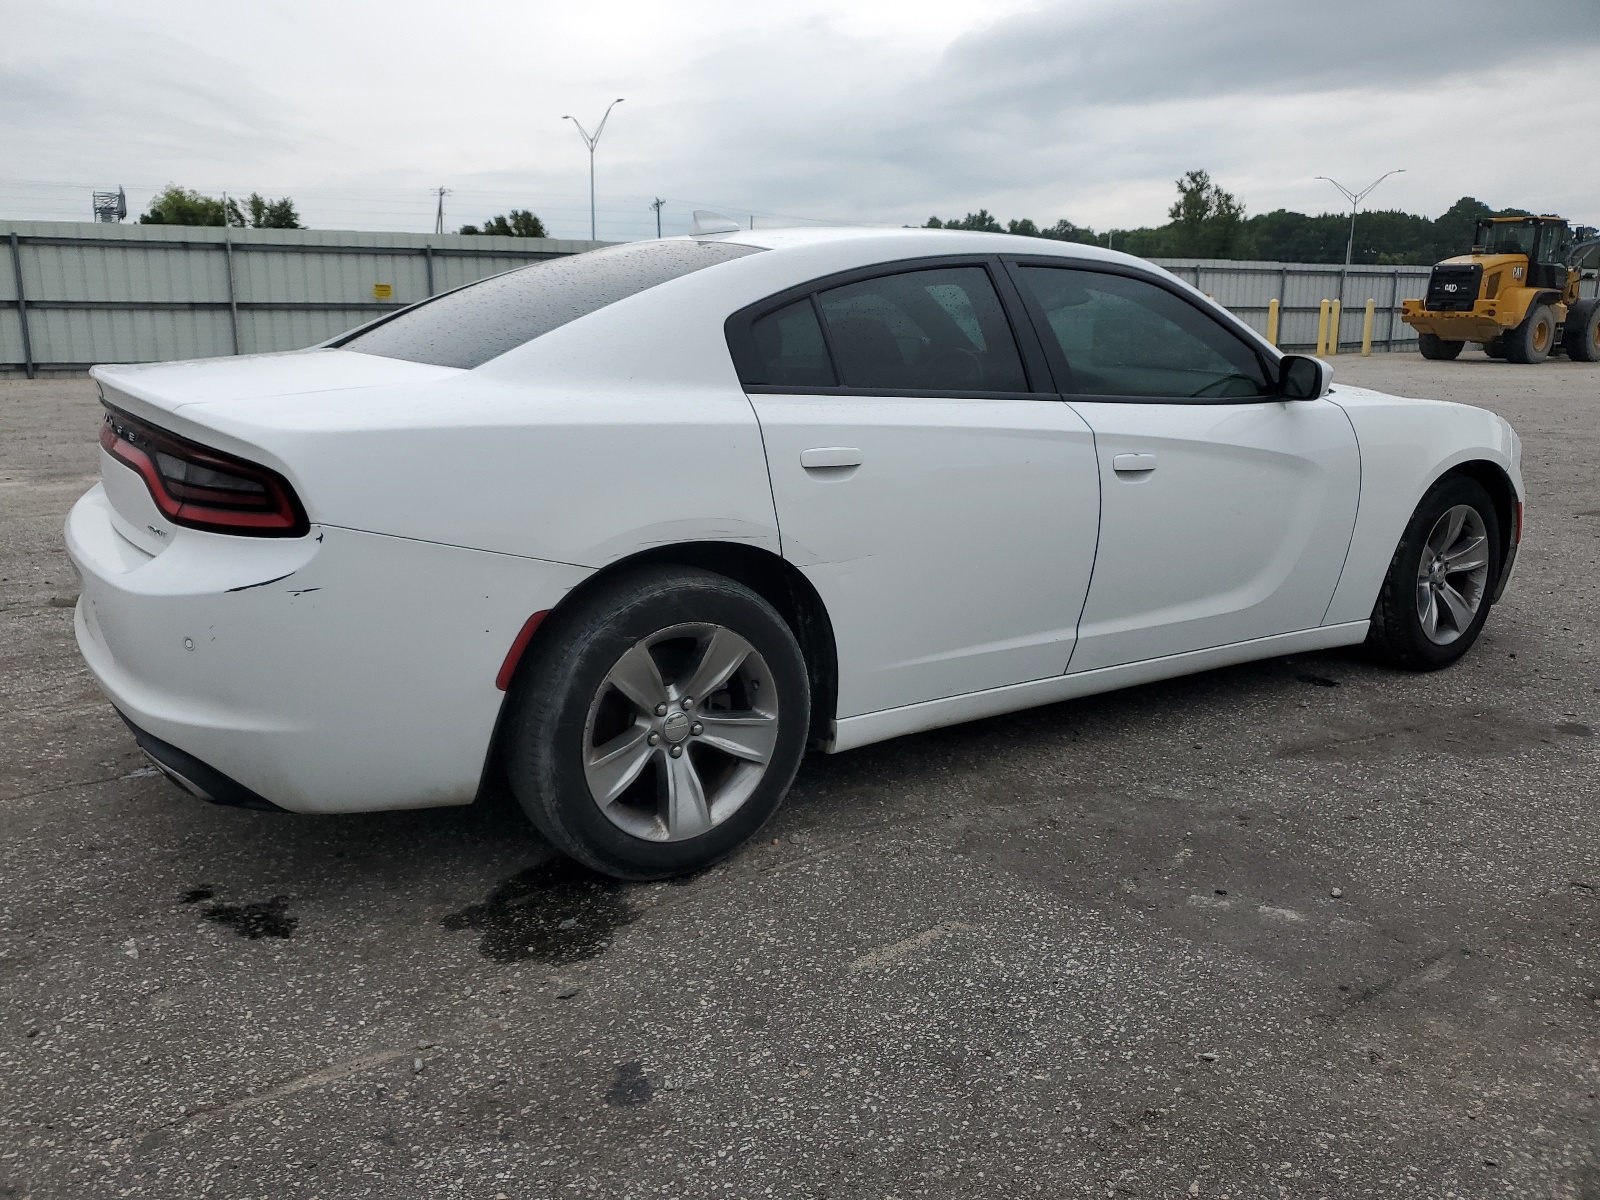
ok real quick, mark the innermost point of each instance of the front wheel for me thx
(1435, 347)
(661, 723)
(1532, 341)
(1435, 597)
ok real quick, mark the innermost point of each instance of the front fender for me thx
(1406, 447)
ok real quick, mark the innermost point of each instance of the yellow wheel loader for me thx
(1517, 294)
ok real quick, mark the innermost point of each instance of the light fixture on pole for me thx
(592, 142)
(1355, 199)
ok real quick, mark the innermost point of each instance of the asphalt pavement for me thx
(1302, 928)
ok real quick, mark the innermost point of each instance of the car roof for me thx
(917, 242)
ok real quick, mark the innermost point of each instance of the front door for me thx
(1226, 513)
(945, 512)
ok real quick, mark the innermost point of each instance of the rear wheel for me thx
(1582, 336)
(1433, 346)
(660, 725)
(1532, 341)
(1435, 596)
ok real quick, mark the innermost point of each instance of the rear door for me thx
(1226, 512)
(943, 508)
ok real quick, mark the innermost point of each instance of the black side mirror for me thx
(1301, 377)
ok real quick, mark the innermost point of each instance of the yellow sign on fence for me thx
(383, 291)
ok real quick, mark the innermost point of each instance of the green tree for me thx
(183, 206)
(1065, 231)
(1205, 219)
(259, 213)
(521, 223)
(980, 222)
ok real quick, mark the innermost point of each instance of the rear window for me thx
(471, 325)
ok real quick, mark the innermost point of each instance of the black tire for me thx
(1435, 347)
(1532, 341)
(1397, 635)
(1496, 348)
(1581, 338)
(560, 695)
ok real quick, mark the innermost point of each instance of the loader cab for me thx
(1543, 241)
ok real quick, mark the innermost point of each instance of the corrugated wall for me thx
(1248, 288)
(141, 293)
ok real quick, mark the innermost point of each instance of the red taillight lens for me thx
(1517, 539)
(203, 488)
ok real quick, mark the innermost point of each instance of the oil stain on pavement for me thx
(260, 919)
(556, 912)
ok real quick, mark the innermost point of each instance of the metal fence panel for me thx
(1248, 288)
(141, 293)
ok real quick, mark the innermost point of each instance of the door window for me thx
(1125, 337)
(939, 330)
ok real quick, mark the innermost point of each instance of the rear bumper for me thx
(340, 672)
(193, 776)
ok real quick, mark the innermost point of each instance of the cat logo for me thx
(1516, 272)
(1452, 287)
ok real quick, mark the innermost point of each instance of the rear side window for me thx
(790, 349)
(1126, 337)
(939, 330)
(471, 325)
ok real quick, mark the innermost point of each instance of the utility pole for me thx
(656, 204)
(438, 220)
(592, 142)
(1355, 199)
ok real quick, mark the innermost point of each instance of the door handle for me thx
(821, 458)
(1133, 464)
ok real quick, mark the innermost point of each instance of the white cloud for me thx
(881, 112)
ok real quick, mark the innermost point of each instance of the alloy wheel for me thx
(1453, 575)
(680, 732)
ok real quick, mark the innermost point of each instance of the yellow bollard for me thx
(1333, 331)
(1322, 330)
(1272, 322)
(1366, 329)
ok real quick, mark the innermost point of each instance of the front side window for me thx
(1125, 337)
(1554, 242)
(471, 325)
(936, 330)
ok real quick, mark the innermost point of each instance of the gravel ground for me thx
(1304, 928)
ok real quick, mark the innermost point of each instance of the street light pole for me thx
(592, 142)
(1355, 199)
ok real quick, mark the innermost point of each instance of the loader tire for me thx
(1532, 341)
(1582, 336)
(1435, 347)
(1496, 348)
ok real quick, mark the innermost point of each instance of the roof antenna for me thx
(706, 221)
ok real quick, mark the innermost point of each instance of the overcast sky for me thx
(820, 109)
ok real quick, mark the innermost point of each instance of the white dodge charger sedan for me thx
(639, 525)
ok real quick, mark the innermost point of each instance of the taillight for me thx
(202, 488)
(1517, 540)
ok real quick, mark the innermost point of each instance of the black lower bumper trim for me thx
(194, 776)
